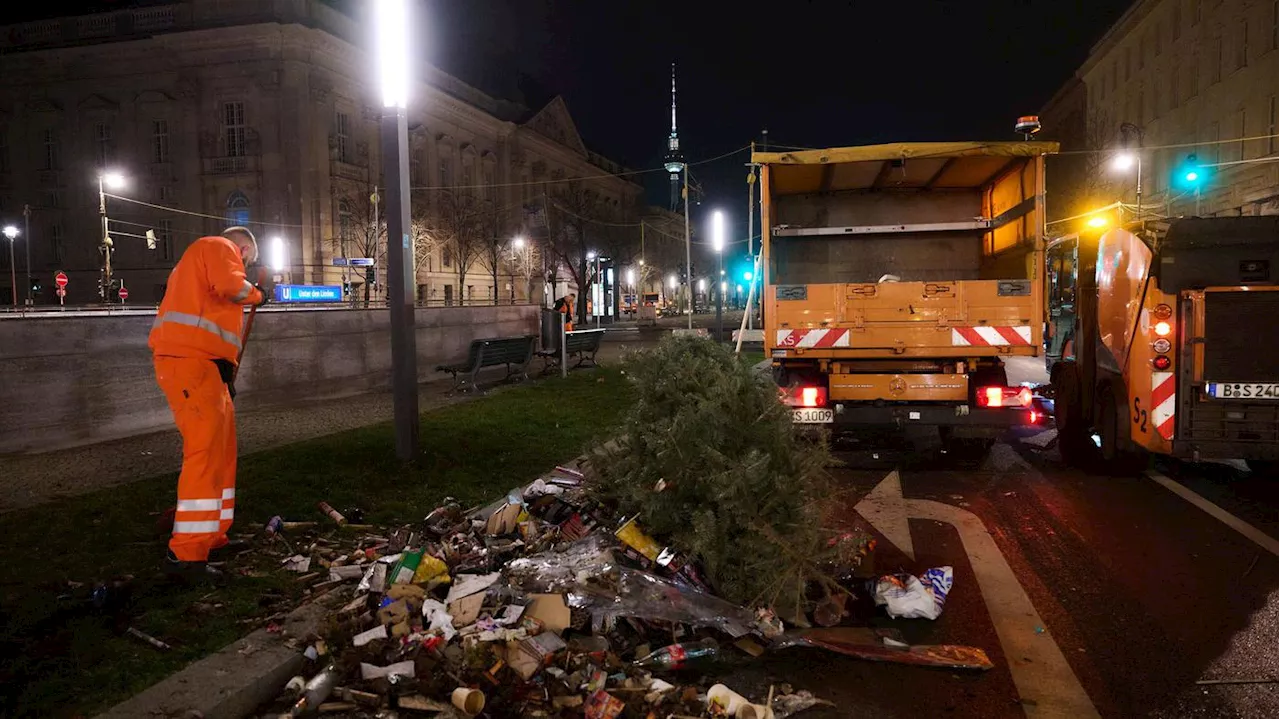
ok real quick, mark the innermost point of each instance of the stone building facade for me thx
(1176, 78)
(261, 112)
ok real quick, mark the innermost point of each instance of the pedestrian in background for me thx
(196, 342)
(565, 305)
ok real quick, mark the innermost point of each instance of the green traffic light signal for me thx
(1191, 175)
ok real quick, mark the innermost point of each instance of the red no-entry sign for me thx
(124, 293)
(60, 279)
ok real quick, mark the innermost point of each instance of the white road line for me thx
(1039, 670)
(1250, 532)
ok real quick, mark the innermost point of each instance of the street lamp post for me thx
(1127, 159)
(26, 241)
(392, 18)
(114, 181)
(717, 243)
(12, 233)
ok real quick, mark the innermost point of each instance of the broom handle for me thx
(244, 341)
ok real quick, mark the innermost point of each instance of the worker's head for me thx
(243, 239)
(571, 297)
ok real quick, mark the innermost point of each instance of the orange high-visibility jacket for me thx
(201, 312)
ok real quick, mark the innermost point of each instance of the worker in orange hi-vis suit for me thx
(195, 343)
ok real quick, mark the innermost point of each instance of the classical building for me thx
(222, 112)
(1185, 83)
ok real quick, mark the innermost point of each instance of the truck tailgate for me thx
(960, 318)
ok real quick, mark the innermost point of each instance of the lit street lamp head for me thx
(113, 180)
(392, 22)
(10, 231)
(591, 255)
(717, 231)
(518, 243)
(277, 254)
(1123, 162)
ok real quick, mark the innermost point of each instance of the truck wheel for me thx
(1119, 457)
(1263, 467)
(1074, 443)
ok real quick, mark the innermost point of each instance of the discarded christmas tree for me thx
(711, 463)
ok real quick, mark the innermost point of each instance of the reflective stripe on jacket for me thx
(201, 312)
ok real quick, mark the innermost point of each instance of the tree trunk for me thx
(493, 267)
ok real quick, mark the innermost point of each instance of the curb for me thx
(234, 681)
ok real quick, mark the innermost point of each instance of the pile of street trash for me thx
(542, 604)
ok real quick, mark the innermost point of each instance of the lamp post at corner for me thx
(114, 181)
(12, 233)
(394, 62)
(717, 243)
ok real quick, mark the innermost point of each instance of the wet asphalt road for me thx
(1144, 593)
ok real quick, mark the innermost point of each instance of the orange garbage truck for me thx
(1162, 340)
(897, 280)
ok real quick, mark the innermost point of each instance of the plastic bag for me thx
(908, 597)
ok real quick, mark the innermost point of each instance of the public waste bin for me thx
(551, 329)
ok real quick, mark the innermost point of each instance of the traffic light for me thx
(1190, 175)
(35, 287)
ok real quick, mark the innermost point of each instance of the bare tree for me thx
(573, 218)
(457, 223)
(361, 231)
(496, 252)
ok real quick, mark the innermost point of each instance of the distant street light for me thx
(12, 233)
(631, 277)
(518, 243)
(1097, 221)
(673, 282)
(702, 284)
(114, 181)
(717, 243)
(591, 255)
(277, 255)
(394, 62)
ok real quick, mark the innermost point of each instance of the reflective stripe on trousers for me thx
(190, 320)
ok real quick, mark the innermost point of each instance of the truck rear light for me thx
(1161, 362)
(1162, 312)
(1161, 345)
(1004, 397)
(806, 396)
(1163, 329)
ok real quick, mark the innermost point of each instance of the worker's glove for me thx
(227, 373)
(266, 296)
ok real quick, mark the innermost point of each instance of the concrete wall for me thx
(77, 380)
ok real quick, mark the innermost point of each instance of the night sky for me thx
(815, 74)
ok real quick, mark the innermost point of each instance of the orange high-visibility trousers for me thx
(202, 409)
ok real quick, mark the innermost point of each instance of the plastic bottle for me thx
(274, 526)
(316, 691)
(677, 656)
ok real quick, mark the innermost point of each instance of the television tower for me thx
(674, 160)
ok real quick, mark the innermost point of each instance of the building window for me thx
(1240, 133)
(1176, 28)
(1193, 77)
(1124, 66)
(233, 129)
(164, 233)
(102, 140)
(1196, 12)
(468, 175)
(238, 209)
(1275, 25)
(1142, 108)
(55, 241)
(446, 172)
(471, 293)
(1215, 60)
(345, 226)
(166, 193)
(488, 182)
(50, 141)
(1214, 136)
(342, 129)
(1115, 70)
(1271, 127)
(446, 256)
(52, 199)
(1242, 45)
(1173, 86)
(159, 141)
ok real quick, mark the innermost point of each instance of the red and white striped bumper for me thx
(1163, 401)
(812, 338)
(990, 336)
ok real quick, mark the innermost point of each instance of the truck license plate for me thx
(813, 416)
(1243, 390)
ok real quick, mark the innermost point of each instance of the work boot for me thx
(191, 572)
(228, 550)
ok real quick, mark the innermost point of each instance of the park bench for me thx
(580, 344)
(514, 353)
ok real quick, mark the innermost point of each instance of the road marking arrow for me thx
(886, 510)
(1039, 670)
